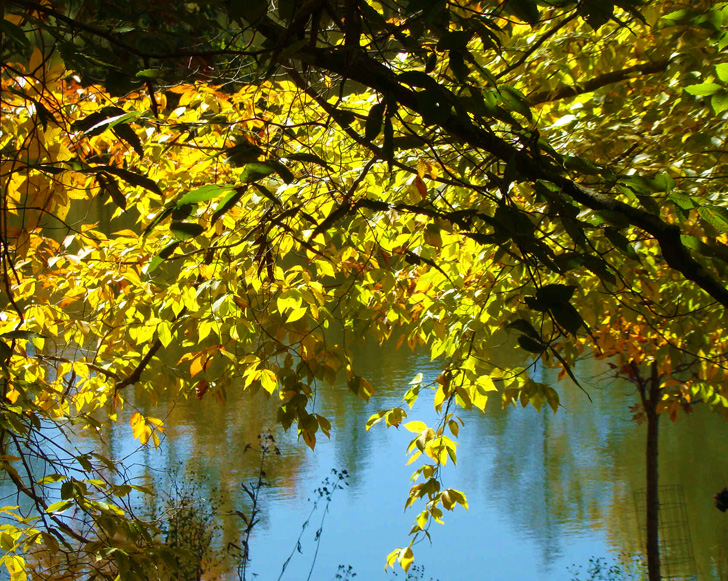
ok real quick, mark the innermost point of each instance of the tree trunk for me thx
(653, 503)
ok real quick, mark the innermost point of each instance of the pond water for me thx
(546, 491)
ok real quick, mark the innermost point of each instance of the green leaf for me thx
(716, 216)
(204, 193)
(150, 74)
(719, 101)
(169, 209)
(433, 110)
(8, 29)
(228, 202)
(268, 194)
(596, 13)
(126, 133)
(374, 121)
(165, 253)
(691, 242)
(134, 178)
(526, 10)
(704, 89)
(256, 171)
(418, 79)
(722, 71)
(679, 15)
(531, 345)
(431, 63)
(663, 182)
(458, 66)
(581, 165)
(402, 142)
(308, 158)
(182, 212)
(682, 200)
(96, 123)
(454, 40)
(514, 100)
(524, 327)
(568, 317)
(551, 295)
(285, 173)
(186, 230)
(621, 242)
(5, 351)
(242, 153)
(21, 335)
(108, 185)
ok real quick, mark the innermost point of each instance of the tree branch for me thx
(136, 375)
(599, 82)
(106, 35)
(536, 45)
(360, 67)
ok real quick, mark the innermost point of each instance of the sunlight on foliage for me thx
(510, 186)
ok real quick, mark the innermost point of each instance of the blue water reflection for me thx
(545, 491)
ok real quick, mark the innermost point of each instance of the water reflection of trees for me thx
(554, 476)
(559, 475)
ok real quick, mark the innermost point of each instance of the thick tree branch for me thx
(359, 67)
(599, 82)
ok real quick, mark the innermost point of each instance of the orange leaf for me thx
(201, 388)
(421, 187)
(197, 365)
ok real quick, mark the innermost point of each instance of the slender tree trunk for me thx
(653, 502)
(650, 394)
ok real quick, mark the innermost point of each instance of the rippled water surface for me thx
(547, 492)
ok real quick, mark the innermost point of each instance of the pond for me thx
(546, 492)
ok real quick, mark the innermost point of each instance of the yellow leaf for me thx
(296, 314)
(325, 425)
(156, 423)
(145, 429)
(414, 457)
(269, 381)
(439, 398)
(375, 419)
(22, 244)
(16, 567)
(422, 519)
(485, 383)
(406, 558)
(392, 558)
(415, 426)
(325, 268)
(139, 428)
(454, 427)
(309, 437)
(36, 60)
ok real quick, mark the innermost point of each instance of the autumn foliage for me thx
(221, 226)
